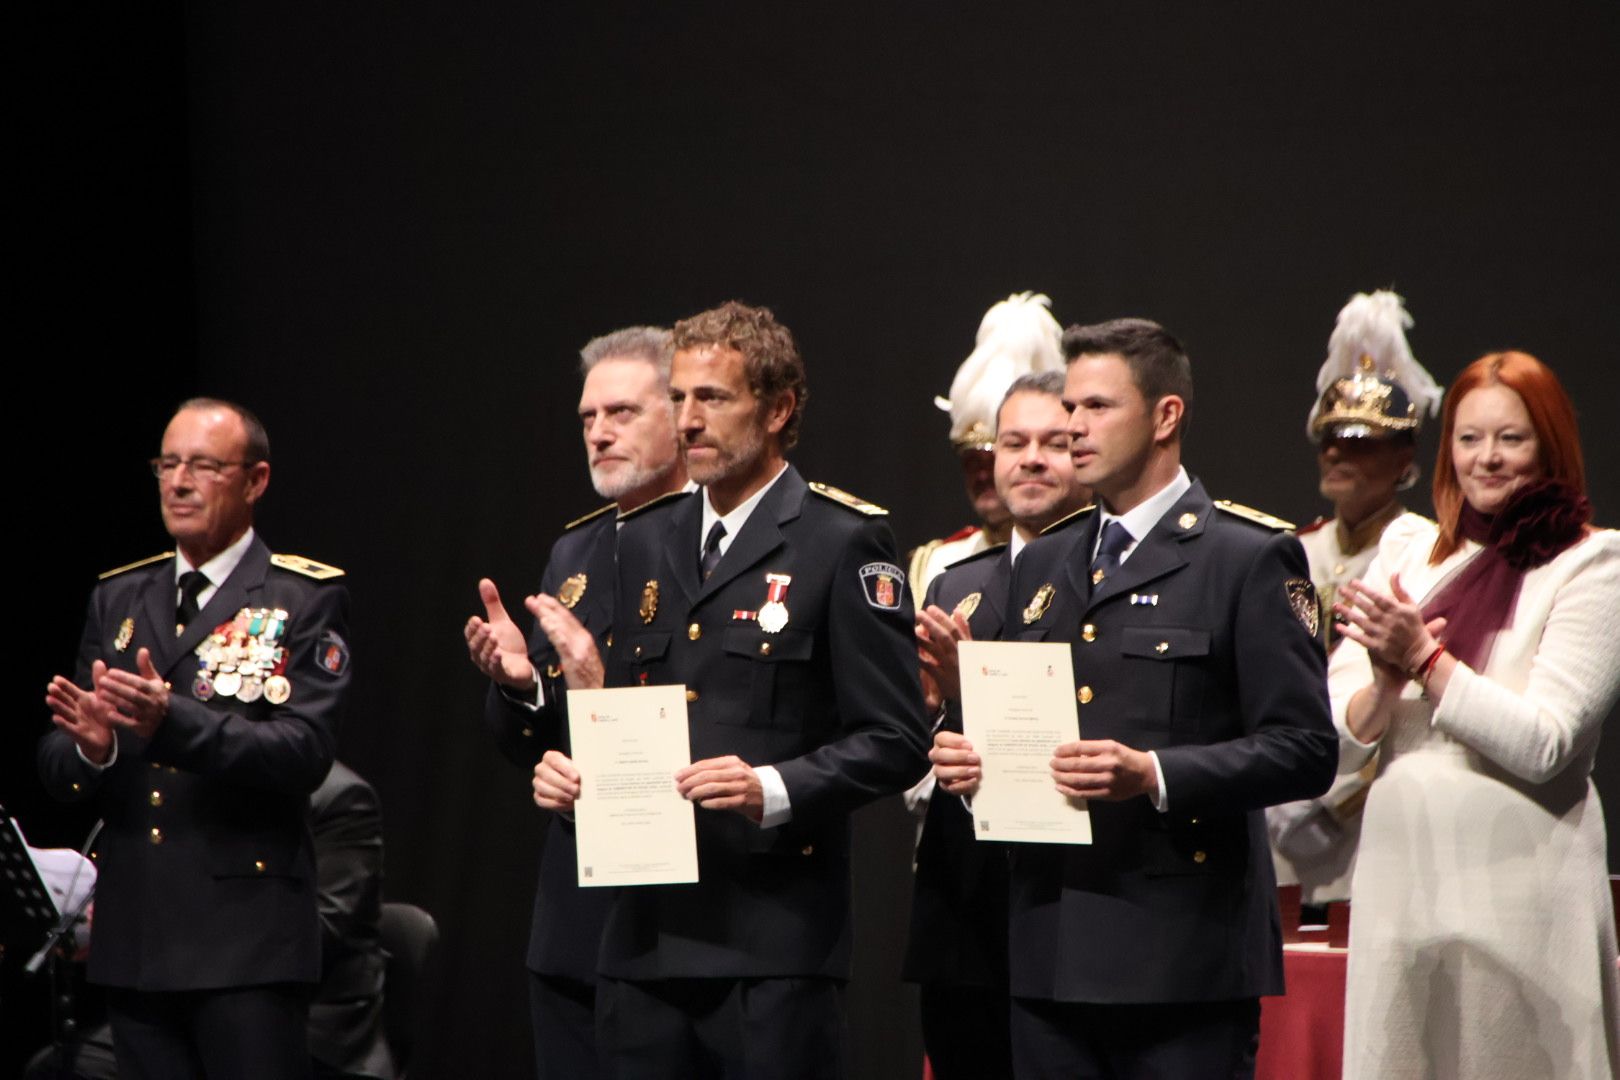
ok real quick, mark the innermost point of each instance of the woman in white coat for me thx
(1482, 659)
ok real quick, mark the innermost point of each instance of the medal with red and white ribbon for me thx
(773, 614)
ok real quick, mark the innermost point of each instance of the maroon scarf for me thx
(1540, 520)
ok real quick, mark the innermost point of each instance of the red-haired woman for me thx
(1482, 657)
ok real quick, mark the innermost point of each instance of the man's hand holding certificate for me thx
(1017, 710)
(633, 824)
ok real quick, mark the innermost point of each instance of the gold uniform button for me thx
(553, 670)
(1192, 821)
(258, 864)
(808, 849)
(1088, 632)
(1162, 647)
(638, 650)
(174, 769)
(694, 631)
(1199, 856)
(1084, 694)
(75, 785)
(764, 648)
(528, 733)
(157, 836)
(155, 765)
(691, 695)
(156, 798)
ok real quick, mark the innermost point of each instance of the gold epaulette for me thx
(1068, 519)
(839, 495)
(1259, 517)
(918, 560)
(308, 567)
(115, 571)
(592, 516)
(662, 500)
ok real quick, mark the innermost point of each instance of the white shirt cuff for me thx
(778, 811)
(1160, 797)
(533, 702)
(111, 758)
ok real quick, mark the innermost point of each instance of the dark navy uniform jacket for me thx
(207, 871)
(832, 701)
(567, 923)
(1194, 649)
(959, 896)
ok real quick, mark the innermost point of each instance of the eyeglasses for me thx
(201, 468)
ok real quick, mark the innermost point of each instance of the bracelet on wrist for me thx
(1422, 672)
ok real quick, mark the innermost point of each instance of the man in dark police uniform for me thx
(202, 713)
(631, 448)
(1202, 699)
(779, 605)
(957, 949)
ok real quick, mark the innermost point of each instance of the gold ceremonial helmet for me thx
(1365, 406)
(1371, 386)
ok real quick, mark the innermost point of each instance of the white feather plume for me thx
(1375, 324)
(1017, 336)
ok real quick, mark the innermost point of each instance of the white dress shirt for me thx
(1139, 521)
(778, 811)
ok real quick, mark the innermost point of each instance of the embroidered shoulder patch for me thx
(1306, 604)
(332, 653)
(882, 582)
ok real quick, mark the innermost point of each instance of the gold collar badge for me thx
(1038, 603)
(572, 591)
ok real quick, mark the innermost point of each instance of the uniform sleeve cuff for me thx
(111, 758)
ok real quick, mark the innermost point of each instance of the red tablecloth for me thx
(1302, 1033)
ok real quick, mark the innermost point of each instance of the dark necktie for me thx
(1113, 542)
(711, 550)
(192, 583)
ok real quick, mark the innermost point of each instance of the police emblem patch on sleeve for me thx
(1307, 606)
(881, 582)
(332, 653)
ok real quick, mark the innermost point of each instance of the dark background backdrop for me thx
(388, 227)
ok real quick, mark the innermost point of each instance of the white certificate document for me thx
(1017, 708)
(631, 823)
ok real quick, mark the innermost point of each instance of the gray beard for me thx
(623, 482)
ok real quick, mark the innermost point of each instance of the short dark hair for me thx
(770, 356)
(258, 441)
(1049, 383)
(1159, 365)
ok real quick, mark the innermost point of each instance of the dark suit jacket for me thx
(959, 896)
(832, 701)
(567, 924)
(1191, 649)
(207, 873)
(346, 1016)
